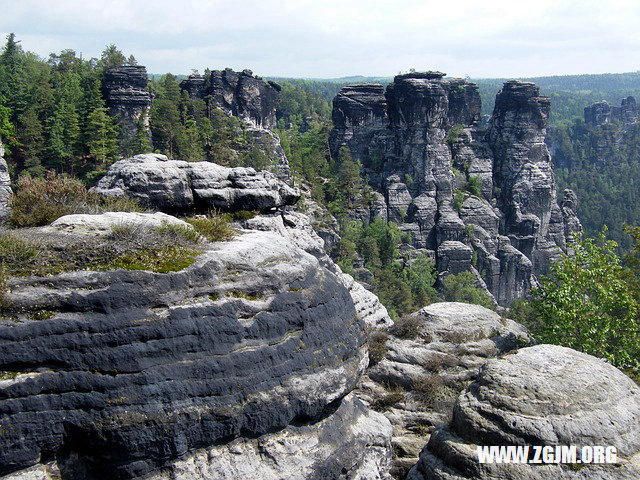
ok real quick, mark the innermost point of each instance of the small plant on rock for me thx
(407, 327)
(377, 347)
(215, 226)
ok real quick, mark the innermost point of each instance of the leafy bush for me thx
(458, 200)
(453, 135)
(588, 304)
(474, 185)
(215, 227)
(16, 254)
(40, 201)
(462, 288)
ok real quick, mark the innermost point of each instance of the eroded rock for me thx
(175, 185)
(131, 369)
(5, 187)
(542, 395)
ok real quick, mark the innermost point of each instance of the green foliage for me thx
(588, 304)
(462, 288)
(16, 254)
(453, 135)
(474, 185)
(215, 226)
(161, 260)
(40, 201)
(458, 200)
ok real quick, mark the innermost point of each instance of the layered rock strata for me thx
(129, 99)
(5, 187)
(480, 199)
(248, 97)
(450, 342)
(129, 371)
(601, 113)
(175, 185)
(542, 395)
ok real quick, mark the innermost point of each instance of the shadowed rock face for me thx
(240, 94)
(134, 368)
(421, 147)
(5, 188)
(601, 113)
(129, 99)
(175, 185)
(542, 395)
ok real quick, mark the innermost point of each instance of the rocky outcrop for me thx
(174, 185)
(248, 97)
(479, 199)
(5, 187)
(351, 443)
(129, 99)
(431, 366)
(542, 395)
(252, 349)
(601, 113)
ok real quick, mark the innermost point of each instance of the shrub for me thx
(178, 233)
(474, 185)
(16, 255)
(407, 326)
(587, 303)
(453, 134)
(388, 400)
(462, 288)
(431, 391)
(40, 201)
(161, 260)
(458, 200)
(377, 347)
(215, 227)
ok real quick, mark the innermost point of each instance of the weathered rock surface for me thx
(5, 187)
(103, 224)
(542, 395)
(443, 176)
(250, 98)
(129, 99)
(174, 185)
(453, 341)
(601, 113)
(133, 369)
(352, 443)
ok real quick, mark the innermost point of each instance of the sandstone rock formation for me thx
(601, 113)
(174, 185)
(5, 187)
(249, 97)
(453, 340)
(479, 199)
(128, 99)
(542, 395)
(252, 349)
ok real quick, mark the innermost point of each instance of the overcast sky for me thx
(305, 38)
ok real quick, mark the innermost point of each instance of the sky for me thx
(328, 39)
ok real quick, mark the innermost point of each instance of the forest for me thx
(53, 118)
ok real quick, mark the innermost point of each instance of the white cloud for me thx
(335, 38)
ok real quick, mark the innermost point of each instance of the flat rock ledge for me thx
(130, 371)
(542, 395)
(179, 186)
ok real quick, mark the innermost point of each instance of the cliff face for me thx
(129, 99)
(601, 113)
(5, 188)
(479, 199)
(253, 349)
(249, 97)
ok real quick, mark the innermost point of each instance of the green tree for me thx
(111, 58)
(462, 288)
(587, 304)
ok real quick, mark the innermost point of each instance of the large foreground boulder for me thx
(542, 395)
(178, 186)
(430, 357)
(118, 374)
